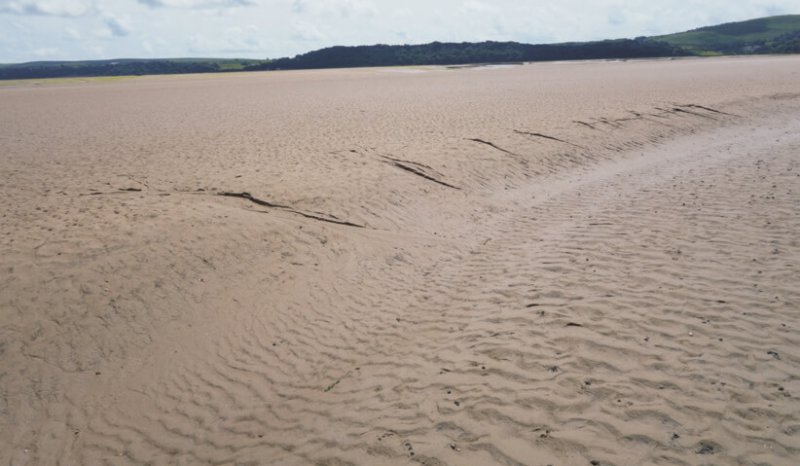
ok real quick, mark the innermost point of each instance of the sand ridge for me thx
(558, 264)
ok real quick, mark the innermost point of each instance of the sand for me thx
(565, 263)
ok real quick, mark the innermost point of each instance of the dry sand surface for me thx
(569, 263)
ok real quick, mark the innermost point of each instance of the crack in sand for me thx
(708, 109)
(493, 145)
(409, 166)
(420, 173)
(326, 218)
(552, 138)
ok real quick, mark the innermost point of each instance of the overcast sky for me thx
(92, 29)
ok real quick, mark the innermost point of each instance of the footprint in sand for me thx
(409, 448)
(386, 435)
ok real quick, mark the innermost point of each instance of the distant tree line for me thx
(789, 43)
(438, 53)
(110, 68)
(785, 43)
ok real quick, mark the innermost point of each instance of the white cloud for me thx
(306, 32)
(96, 51)
(479, 7)
(67, 8)
(72, 33)
(234, 40)
(46, 52)
(199, 4)
(112, 28)
(117, 27)
(153, 47)
(342, 8)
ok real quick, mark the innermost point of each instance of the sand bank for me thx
(544, 264)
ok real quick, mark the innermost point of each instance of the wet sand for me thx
(565, 263)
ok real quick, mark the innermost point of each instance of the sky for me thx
(32, 30)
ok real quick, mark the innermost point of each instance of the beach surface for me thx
(584, 263)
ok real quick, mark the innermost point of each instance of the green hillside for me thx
(774, 34)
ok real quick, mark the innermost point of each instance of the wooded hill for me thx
(438, 53)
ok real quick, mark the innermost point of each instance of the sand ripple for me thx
(614, 288)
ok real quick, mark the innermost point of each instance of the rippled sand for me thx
(565, 263)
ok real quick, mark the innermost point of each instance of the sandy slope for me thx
(550, 264)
